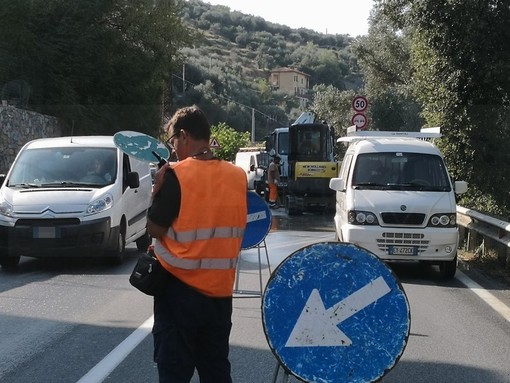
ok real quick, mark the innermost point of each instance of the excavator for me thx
(306, 149)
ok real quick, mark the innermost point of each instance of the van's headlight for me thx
(358, 217)
(101, 204)
(5, 207)
(443, 220)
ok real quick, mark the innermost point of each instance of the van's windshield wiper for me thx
(360, 185)
(25, 185)
(62, 184)
(417, 186)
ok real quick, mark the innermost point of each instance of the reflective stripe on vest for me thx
(203, 234)
(194, 264)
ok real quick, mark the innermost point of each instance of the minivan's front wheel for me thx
(116, 256)
(448, 268)
(9, 262)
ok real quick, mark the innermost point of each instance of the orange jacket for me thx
(202, 246)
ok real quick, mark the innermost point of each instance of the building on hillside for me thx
(291, 81)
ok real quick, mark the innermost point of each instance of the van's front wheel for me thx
(116, 256)
(448, 268)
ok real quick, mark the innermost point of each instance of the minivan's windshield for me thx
(400, 171)
(62, 167)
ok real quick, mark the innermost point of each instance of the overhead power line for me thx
(231, 100)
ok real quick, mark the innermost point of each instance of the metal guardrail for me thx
(480, 231)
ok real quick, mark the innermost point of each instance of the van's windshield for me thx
(64, 167)
(401, 171)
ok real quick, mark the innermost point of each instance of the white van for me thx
(73, 196)
(394, 197)
(254, 161)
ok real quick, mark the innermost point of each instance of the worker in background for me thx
(273, 178)
(198, 217)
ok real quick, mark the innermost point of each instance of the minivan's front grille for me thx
(47, 222)
(402, 239)
(403, 218)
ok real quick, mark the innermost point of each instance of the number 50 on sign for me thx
(359, 103)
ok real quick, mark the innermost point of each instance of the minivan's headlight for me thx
(101, 204)
(358, 217)
(5, 207)
(443, 220)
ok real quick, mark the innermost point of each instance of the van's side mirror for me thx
(460, 187)
(252, 168)
(337, 184)
(133, 180)
(2, 179)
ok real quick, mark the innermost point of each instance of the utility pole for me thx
(183, 77)
(253, 125)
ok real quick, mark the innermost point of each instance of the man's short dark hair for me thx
(192, 120)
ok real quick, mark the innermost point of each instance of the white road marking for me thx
(101, 370)
(486, 296)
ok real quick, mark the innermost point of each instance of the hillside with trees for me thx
(102, 66)
(227, 70)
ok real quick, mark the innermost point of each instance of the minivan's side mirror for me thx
(337, 184)
(461, 187)
(133, 180)
(252, 168)
(2, 179)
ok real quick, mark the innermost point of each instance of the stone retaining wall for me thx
(17, 127)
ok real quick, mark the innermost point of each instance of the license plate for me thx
(45, 232)
(402, 250)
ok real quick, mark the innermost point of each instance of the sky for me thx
(324, 16)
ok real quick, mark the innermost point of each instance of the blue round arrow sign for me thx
(333, 312)
(258, 221)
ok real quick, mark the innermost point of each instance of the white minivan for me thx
(73, 196)
(254, 161)
(394, 197)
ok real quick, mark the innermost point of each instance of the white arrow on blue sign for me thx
(258, 221)
(333, 312)
(315, 321)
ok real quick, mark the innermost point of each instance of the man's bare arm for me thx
(156, 231)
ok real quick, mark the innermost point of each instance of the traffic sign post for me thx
(359, 105)
(333, 312)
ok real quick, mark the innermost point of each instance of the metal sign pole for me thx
(286, 375)
(249, 293)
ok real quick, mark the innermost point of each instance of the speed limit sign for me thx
(359, 104)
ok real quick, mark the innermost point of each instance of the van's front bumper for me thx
(58, 237)
(388, 243)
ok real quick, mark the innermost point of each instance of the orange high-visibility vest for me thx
(202, 246)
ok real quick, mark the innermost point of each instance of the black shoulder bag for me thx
(149, 276)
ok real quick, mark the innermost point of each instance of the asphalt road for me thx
(81, 321)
